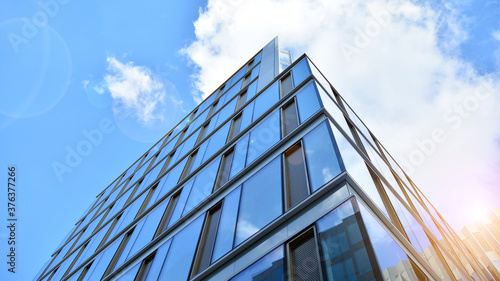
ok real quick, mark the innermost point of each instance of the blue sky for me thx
(125, 72)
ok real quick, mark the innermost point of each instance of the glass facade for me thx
(272, 177)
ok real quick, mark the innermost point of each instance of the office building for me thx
(272, 177)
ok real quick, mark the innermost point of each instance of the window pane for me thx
(252, 88)
(321, 156)
(240, 153)
(308, 102)
(263, 187)
(199, 156)
(154, 270)
(128, 215)
(148, 229)
(226, 112)
(262, 137)
(265, 100)
(295, 175)
(356, 166)
(389, 255)
(203, 185)
(242, 99)
(207, 241)
(227, 224)
(286, 84)
(102, 261)
(347, 251)
(92, 245)
(181, 202)
(291, 120)
(235, 127)
(181, 253)
(255, 73)
(225, 169)
(217, 141)
(170, 180)
(189, 143)
(301, 71)
(270, 267)
(246, 117)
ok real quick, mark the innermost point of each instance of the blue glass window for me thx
(199, 156)
(262, 137)
(202, 186)
(92, 245)
(263, 187)
(345, 245)
(176, 215)
(217, 140)
(300, 72)
(255, 72)
(153, 174)
(322, 157)
(146, 232)
(251, 90)
(240, 153)
(128, 215)
(308, 101)
(171, 179)
(189, 143)
(200, 119)
(206, 103)
(265, 100)
(102, 261)
(246, 117)
(227, 224)
(234, 90)
(161, 253)
(226, 112)
(180, 256)
(270, 267)
(257, 57)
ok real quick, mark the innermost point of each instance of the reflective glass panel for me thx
(263, 187)
(308, 101)
(246, 117)
(226, 112)
(389, 255)
(269, 268)
(179, 207)
(203, 185)
(321, 156)
(148, 229)
(102, 262)
(170, 180)
(347, 252)
(227, 224)
(217, 141)
(262, 137)
(180, 256)
(240, 152)
(154, 270)
(252, 89)
(265, 100)
(300, 72)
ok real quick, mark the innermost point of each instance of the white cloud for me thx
(401, 76)
(135, 91)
